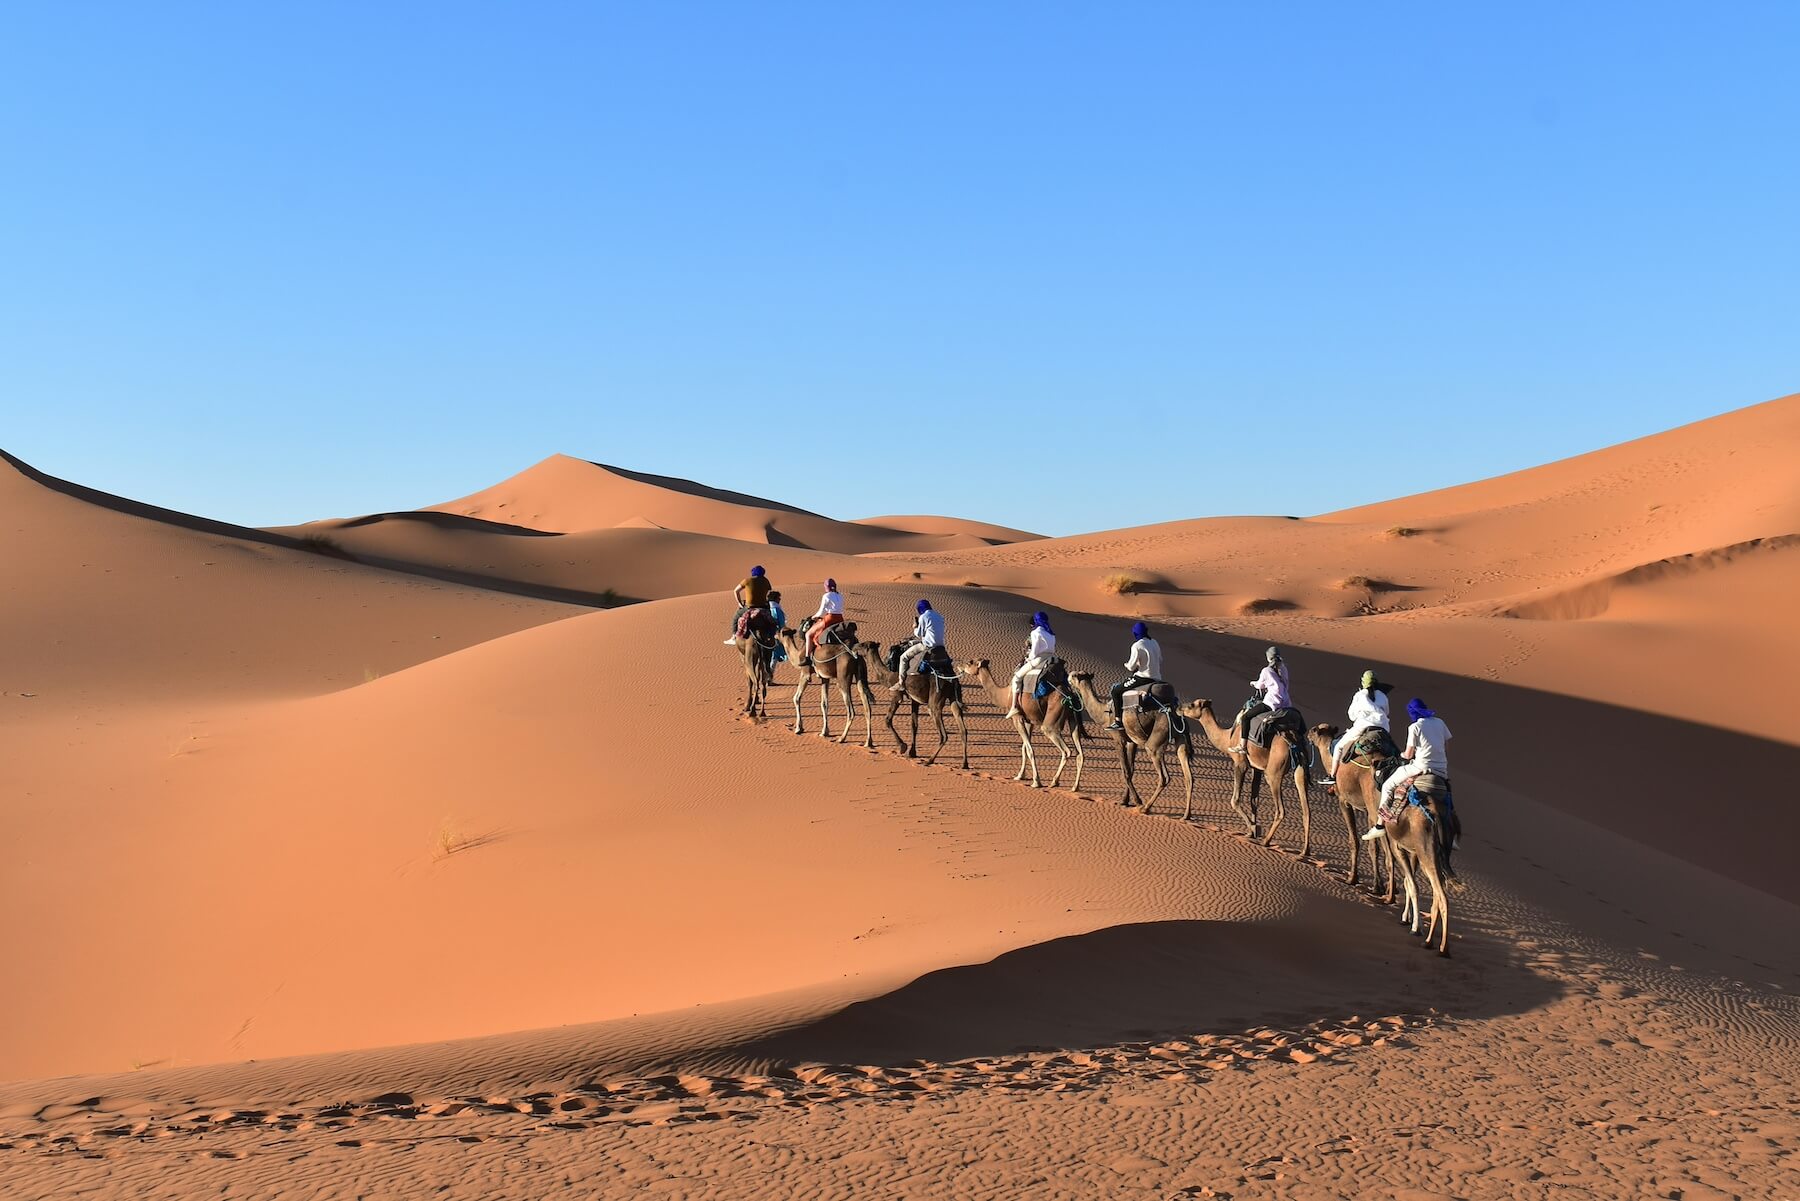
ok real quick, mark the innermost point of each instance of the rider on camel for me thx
(1039, 647)
(928, 632)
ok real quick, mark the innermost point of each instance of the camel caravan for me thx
(1396, 798)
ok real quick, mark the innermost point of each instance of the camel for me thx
(1256, 762)
(1356, 790)
(1149, 732)
(1412, 841)
(1054, 715)
(758, 654)
(929, 689)
(834, 663)
(1412, 836)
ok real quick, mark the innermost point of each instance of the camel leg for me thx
(1239, 769)
(1080, 757)
(1351, 836)
(1440, 913)
(1162, 771)
(893, 711)
(1409, 910)
(800, 695)
(1300, 785)
(962, 730)
(915, 730)
(1057, 740)
(868, 701)
(1027, 757)
(849, 709)
(937, 718)
(1255, 779)
(1128, 761)
(1272, 774)
(1184, 755)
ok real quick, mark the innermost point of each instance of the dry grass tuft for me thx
(1120, 584)
(451, 840)
(323, 544)
(1402, 531)
(1357, 581)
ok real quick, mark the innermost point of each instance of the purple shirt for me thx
(1273, 685)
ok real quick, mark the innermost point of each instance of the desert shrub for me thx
(323, 544)
(1120, 584)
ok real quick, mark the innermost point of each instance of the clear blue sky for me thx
(1066, 267)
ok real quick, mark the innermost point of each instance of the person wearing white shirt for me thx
(1143, 666)
(1368, 709)
(928, 632)
(1272, 692)
(1038, 649)
(831, 613)
(1427, 746)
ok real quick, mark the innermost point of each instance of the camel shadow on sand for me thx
(1169, 979)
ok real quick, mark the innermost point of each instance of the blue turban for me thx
(1416, 710)
(924, 606)
(756, 572)
(1042, 622)
(1139, 630)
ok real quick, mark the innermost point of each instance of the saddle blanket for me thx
(1151, 698)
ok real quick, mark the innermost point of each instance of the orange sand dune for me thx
(369, 866)
(108, 603)
(1420, 576)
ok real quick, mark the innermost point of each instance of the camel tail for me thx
(1446, 830)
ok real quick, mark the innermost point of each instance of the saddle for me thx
(1151, 698)
(756, 621)
(839, 633)
(936, 659)
(1040, 682)
(1265, 726)
(1432, 785)
(1371, 747)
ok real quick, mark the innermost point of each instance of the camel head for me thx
(971, 667)
(870, 649)
(1197, 708)
(1323, 735)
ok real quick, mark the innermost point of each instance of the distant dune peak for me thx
(565, 494)
(691, 488)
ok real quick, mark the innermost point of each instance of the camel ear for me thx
(985, 663)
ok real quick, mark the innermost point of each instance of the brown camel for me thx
(1413, 836)
(928, 689)
(833, 664)
(758, 652)
(1149, 732)
(1356, 791)
(1276, 761)
(1060, 722)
